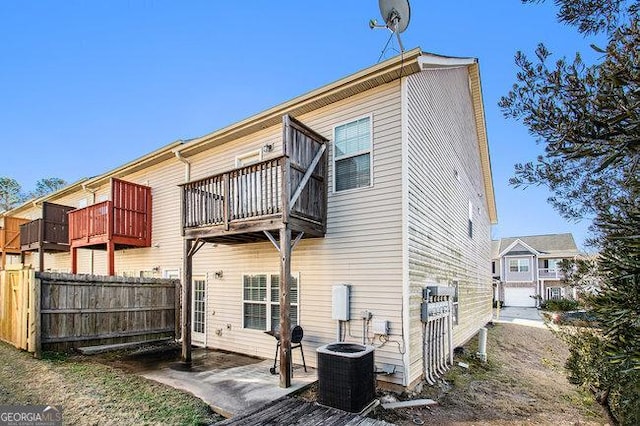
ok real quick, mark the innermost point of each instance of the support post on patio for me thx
(186, 302)
(111, 248)
(285, 306)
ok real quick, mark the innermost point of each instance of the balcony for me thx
(48, 234)
(240, 205)
(10, 237)
(120, 223)
(550, 274)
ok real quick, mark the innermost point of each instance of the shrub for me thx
(560, 305)
(614, 386)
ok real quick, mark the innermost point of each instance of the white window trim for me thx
(369, 151)
(248, 154)
(267, 302)
(520, 263)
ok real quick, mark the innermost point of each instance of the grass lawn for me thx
(91, 393)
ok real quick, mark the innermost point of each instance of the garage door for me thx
(519, 296)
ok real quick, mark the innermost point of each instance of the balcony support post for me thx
(111, 248)
(41, 224)
(186, 301)
(74, 260)
(285, 307)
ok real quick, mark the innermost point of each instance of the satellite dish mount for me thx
(396, 15)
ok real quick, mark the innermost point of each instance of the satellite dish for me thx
(396, 15)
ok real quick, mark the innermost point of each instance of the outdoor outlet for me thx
(365, 315)
(380, 327)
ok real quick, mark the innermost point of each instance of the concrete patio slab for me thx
(231, 391)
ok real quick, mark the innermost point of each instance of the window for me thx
(554, 293)
(552, 264)
(261, 300)
(352, 155)
(518, 265)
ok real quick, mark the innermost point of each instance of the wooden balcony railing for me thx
(10, 237)
(249, 192)
(260, 197)
(91, 222)
(122, 222)
(49, 233)
(9, 240)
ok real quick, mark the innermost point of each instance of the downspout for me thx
(93, 201)
(187, 165)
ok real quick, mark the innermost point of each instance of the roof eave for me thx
(381, 73)
(483, 142)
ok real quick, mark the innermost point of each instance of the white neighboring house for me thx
(527, 268)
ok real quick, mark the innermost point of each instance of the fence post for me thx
(178, 312)
(36, 333)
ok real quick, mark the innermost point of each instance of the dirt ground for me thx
(91, 393)
(523, 383)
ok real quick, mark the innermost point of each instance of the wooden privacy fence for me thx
(57, 312)
(16, 311)
(87, 310)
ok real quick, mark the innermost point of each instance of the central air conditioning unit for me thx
(346, 376)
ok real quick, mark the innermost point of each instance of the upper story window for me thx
(518, 265)
(551, 264)
(352, 155)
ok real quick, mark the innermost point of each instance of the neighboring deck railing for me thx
(550, 273)
(10, 234)
(91, 221)
(30, 232)
(9, 240)
(52, 229)
(126, 218)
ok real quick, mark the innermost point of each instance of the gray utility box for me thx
(346, 376)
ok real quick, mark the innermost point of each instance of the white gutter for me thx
(187, 165)
(93, 201)
(91, 191)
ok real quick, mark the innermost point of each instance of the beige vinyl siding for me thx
(444, 175)
(362, 246)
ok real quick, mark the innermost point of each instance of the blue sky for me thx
(88, 86)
